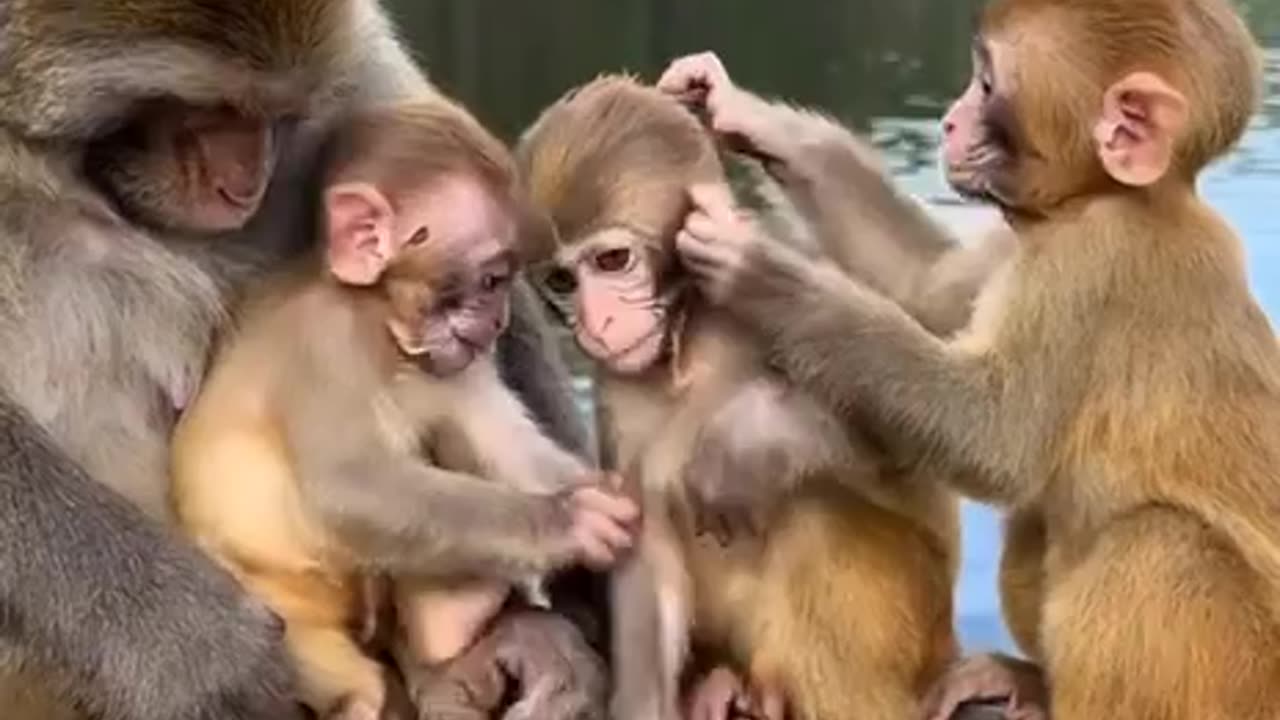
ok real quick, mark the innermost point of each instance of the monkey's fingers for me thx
(946, 701)
(708, 260)
(715, 696)
(700, 70)
(619, 507)
(716, 200)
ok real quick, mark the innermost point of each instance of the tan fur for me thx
(844, 602)
(244, 483)
(237, 492)
(1118, 387)
(108, 321)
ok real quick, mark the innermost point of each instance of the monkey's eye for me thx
(615, 260)
(561, 281)
(492, 281)
(985, 82)
(420, 236)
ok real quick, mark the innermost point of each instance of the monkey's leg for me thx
(437, 623)
(335, 678)
(853, 617)
(651, 615)
(1160, 620)
(1022, 578)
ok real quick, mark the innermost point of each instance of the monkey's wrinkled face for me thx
(201, 170)
(620, 317)
(450, 284)
(979, 135)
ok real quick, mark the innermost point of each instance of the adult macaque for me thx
(833, 603)
(355, 422)
(1118, 387)
(111, 289)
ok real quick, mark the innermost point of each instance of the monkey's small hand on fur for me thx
(603, 525)
(720, 245)
(732, 489)
(743, 120)
(1016, 684)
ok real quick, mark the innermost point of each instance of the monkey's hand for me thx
(602, 525)
(557, 674)
(1017, 685)
(726, 251)
(746, 122)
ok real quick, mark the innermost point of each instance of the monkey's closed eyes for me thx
(420, 237)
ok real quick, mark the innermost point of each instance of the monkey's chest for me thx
(102, 358)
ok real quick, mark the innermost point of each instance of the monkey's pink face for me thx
(978, 134)
(450, 282)
(202, 170)
(620, 319)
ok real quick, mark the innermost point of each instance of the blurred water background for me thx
(885, 68)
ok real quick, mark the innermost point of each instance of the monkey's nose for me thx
(948, 126)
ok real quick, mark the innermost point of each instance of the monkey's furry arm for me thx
(393, 510)
(95, 590)
(887, 240)
(865, 356)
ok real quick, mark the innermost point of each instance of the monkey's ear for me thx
(1142, 116)
(359, 221)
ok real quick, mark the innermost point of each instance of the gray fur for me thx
(105, 324)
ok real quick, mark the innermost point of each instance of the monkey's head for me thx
(422, 206)
(179, 104)
(1094, 96)
(610, 163)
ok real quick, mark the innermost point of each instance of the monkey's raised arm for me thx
(508, 443)
(837, 184)
(873, 364)
(873, 231)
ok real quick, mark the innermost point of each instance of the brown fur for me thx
(1118, 387)
(844, 602)
(320, 452)
(107, 324)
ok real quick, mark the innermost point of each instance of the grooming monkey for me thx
(1118, 387)
(106, 316)
(833, 603)
(355, 423)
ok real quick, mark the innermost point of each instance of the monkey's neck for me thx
(1173, 195)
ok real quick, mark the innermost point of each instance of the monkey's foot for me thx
(560, 677)
(1004, 687)
(470, 687)
(555, 672)
(722, 695)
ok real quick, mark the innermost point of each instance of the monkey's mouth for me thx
(447, 362)
(637, 356)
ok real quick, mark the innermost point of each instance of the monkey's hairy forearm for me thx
(872, 363)
(400, 515)
(98, 587)
(871, 230)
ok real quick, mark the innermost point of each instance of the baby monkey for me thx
(355, 424)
